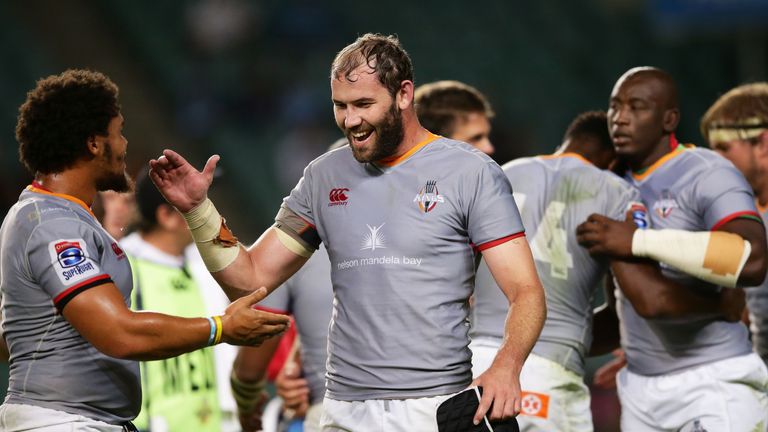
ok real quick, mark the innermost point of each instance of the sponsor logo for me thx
(119, 252)
(639, 215)
(428, 197)
(664, 206)
(534, 404)
(69, 253)
(71, 261)
(374, 239)
(338, 197)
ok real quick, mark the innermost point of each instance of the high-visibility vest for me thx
(179, 393)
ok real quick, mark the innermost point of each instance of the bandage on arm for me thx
(216, 243)
(713, 256)
(295, 233)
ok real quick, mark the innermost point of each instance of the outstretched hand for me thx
(244, 325)
(180, 183)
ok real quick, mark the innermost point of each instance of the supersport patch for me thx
(71, 261)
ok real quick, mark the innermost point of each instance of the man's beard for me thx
(114, 181)
(389, 135)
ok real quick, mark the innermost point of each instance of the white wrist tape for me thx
(713, 256)
(207, 226)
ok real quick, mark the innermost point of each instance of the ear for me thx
(94, 147)
(404, 96)
(671, 120)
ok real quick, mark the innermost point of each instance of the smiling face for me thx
(367, 114)
(111, 161)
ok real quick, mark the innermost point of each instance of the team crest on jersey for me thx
(118, 251)
(338, 197)
(71, 261)
(374, 239)
(664, 206)
(428, 197)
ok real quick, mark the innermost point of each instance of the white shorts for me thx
(729, 395)
(18, 417)
(381, 415)
(554, 398)
(312, 419)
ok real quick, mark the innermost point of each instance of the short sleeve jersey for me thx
(757, 303)
(566, 191)
(401, 239)
(51, 250)
(308, 296)
(690, 189)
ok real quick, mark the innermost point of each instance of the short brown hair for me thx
(59, 116)
(383, 54)
(441, 103)
(745, 106)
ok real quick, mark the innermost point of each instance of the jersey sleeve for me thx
(492, 215)
(300, 198)
(722, 194)
(64, 257)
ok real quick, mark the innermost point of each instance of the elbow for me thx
(651, 309)
(753, 273)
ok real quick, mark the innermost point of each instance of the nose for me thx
(619, 115)
(486, 146)
(352, 118)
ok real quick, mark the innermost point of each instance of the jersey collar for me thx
(675, 150)
(38, 188)
(567, 154)
(390, 162)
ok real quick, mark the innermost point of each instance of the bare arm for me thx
(102, 318)
(655, 296)
(249, 372)
(512, 266)
(754, 270)
(267, 263)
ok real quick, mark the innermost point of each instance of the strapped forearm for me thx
(216, 243)
(713, 256)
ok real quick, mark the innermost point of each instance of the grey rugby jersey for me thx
(692, 189)
(51, 249)
(308, 296)
(757, 302)
(555, 194)
(401, 240)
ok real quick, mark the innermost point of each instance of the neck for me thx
(663, 147)
(165, 241)
(76, 182)
(413, 134)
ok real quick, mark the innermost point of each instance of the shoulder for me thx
(333, 158)
(457, 153)
(703, 159)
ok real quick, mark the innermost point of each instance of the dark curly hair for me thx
(383, 54)
(59, 116)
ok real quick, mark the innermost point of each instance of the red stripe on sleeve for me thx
(492, 243)
(91, 281)
(733, 216)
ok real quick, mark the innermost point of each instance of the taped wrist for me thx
(215, 241)
(247, 394)
(717, 257)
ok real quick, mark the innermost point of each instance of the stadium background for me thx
(248, 79)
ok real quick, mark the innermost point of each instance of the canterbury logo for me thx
(338, 196)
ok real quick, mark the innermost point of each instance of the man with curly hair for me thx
(403, 214)
(736, 126)
(66, 283)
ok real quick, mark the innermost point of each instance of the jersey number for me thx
(550, 244)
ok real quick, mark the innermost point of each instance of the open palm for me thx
(180, 183)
